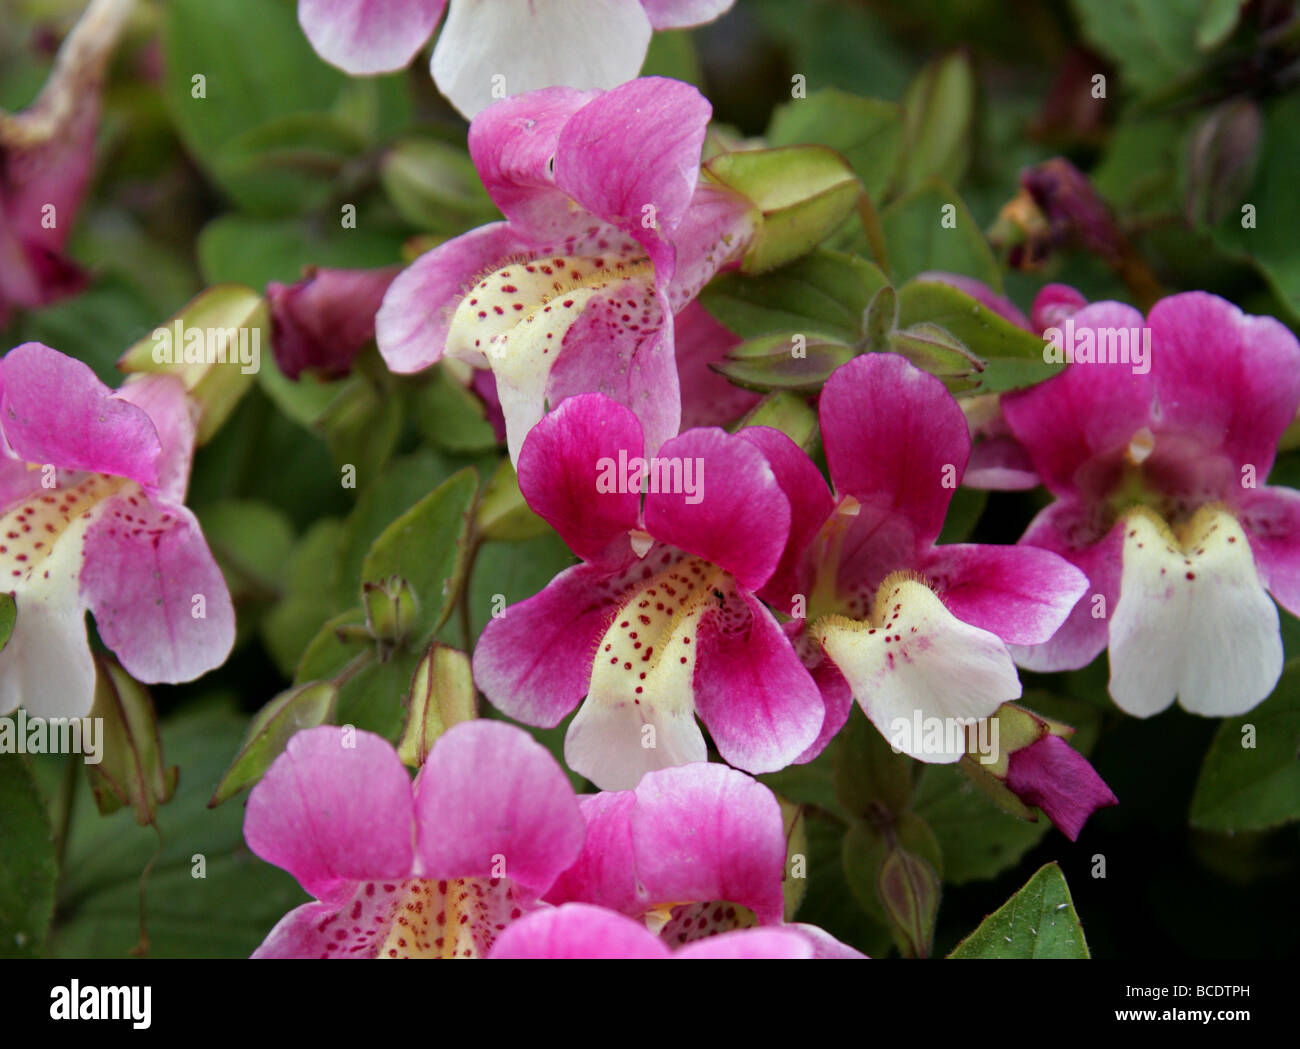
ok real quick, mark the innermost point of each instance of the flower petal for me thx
(146, 567)
(532, 44)
(578, 930)
(54, 410)
(704, 833)
(368, 36)
(1271, 518)
(521, 823)
(708, 399)
(534, 662)
(1020, 593)
(914, 659)
(893, 436)
(810, 505)
(750, 943)
(1192, 620)
(174, 415)
(762, 707)
(1226, 379)
(1087, 412)
(411, 325)
(569, 475)
(681, 14)
(1055, 777)
(735, 516)
(335, 808)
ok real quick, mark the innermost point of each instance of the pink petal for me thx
(578, 930)
(1021, 593)
(981, 293)
(1074, 533)
(54, 410)
(411, 325)
(634, 147)
(1085, 413)
(761, 705)
(810, 505)
(680, 14)
(704, 833)
(369, 36)
(562, 465)
(521, 822)
(141, 579)
(738, 517)
(350, 926)
(707, 398)
(1053, 304)
(333, 809)
(1056, 778)
(712, 236)
(893, 435)
(605, 871)
(1224, 378)
(750, 943)
(513, 146)
(824, 944)
(324, 320)
(174, 415)
(1271, 518)
(534, 662)
(837, 696)
(1000, 464)
(603, 353)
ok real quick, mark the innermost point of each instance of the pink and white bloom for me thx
(691, 853)
(881, 612)
(1160, 499)
(660, 621)
(93, 483)
(579, 930)
(431, 869)
(608, 234)
(492, 48)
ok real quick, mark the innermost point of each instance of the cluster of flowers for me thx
(764, 602)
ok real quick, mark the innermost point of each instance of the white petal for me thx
(914, 657)
(46, 666)
(1192, 620)
(531, 44)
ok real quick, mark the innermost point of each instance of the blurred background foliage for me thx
(1198, 117)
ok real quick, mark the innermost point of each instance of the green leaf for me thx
(938, 115)
(803, 193)
(1151, 41)
(1245, 788)
(824, 293)
(251, 541)
(1039, 921)
(917, 239)
(308, 593)
(27, 864)
(451, 416)
(428, 548)
(789, 361)
(867, 131)
(866, 772)
(254, 251)
(225, 913)
(1012, 357)
(434, 186)
(293, 710)
(978, 839)
(506, 573)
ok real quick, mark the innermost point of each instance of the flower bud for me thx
(324, 320)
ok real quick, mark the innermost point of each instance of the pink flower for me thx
(660, 621)
(504, 47)
(900, 624)
(608, 234)
(1055, 777)
(94, 485)
(579, 930)
(434, 869)
(1158, 479)
(325, 319)
(691, 853)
